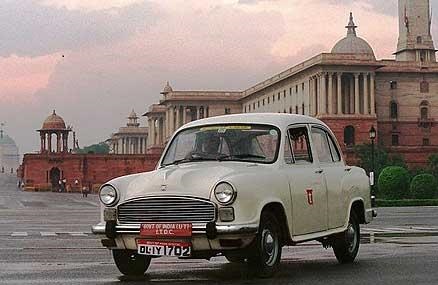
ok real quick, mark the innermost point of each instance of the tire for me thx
(346, 244)
(266, 251)
(130, 263)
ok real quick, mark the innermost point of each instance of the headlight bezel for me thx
(232, 196)
(116, 195)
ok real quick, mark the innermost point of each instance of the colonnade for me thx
(342, 93)
(61, 141)
(163, 125)
(130, 145)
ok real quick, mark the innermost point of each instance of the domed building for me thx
(9, 157)
(352, 44)
(131, 139)
(54, 128)
(348, 88)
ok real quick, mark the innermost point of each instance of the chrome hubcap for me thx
(351, 236)
(270, 247)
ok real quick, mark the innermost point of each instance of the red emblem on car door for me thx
(309, 196)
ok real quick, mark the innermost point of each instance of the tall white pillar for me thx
(351, 97)
(198, 112)
(365, 94)
(373, 94)
(339, 93)
(356, 94)
(311, 99)
(153, 132)
(330, 94)
(184, 115)
(177, 121)
(323, 94)
(172, 121)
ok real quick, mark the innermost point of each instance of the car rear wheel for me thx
(266, 252)
(346, 244)
(130, 263)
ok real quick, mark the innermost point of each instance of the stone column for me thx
(356, 94)
(58, 142)
(172, 121)
(153, 131)
(158, 128)
(365, 94)
(198, 112)
(339, 94)
(330, 94)
(311, 98)
(184, 115)
(42, 142)
(351, 97)
(323, 94)
(177, 121)
(373, 94)
(166, 124)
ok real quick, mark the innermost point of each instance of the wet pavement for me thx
(45, 239)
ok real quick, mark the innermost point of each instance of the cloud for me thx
(21, 77)
(89, 5)
(28, 28)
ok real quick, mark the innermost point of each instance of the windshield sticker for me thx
(223, 129)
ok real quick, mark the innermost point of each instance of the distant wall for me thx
(90, 170)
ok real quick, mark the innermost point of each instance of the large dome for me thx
(8, 154)
(352, 44)
(54, 122)
(5, 140)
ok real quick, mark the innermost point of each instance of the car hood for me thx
(188, 179)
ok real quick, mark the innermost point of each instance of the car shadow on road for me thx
(291, 271)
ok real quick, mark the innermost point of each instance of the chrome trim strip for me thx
(197, 229)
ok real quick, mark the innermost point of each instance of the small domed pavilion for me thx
(54, 125)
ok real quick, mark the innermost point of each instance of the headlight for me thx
(108, 195)
(224, 193)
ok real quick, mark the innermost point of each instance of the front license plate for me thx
(162, 248)
(166, 230)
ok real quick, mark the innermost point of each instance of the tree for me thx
(100, 148)
(424, 186)
(393, 183)
(433, 164)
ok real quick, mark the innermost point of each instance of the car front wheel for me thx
(266, 252)
(346, 244)
(130, 263)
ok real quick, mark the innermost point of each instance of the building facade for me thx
(348, 88)
(54, 168)
(131, 139)
(9, 157)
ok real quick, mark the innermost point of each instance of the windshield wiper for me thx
(187, 159)
(249, 155)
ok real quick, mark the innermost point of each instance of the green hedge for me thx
(423, 186)
(393, 183)
(407, 202)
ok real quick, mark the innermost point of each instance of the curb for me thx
(398, 234)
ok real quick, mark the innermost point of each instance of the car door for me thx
(333, 170)
(307, 185)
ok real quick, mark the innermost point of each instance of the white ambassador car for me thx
(241, 186)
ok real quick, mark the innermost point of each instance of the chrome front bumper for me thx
(100, 229)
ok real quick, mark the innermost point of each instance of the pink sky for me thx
(119, 54)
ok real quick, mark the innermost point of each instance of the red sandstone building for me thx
(55, 162)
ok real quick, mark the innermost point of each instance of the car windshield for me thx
(253, 143)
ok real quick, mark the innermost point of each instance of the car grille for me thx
(166, 209)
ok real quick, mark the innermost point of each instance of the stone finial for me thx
(351, 26)
(167, 88)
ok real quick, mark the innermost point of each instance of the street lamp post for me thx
(372, 134)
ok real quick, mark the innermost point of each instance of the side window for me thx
(299, 141)
(321, 145)
(287, 152)
(334, 150)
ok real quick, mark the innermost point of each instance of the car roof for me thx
(280, 120)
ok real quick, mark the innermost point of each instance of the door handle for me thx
(319, 171)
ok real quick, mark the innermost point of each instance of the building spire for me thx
(351, 26)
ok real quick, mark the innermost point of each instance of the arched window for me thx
(349, 135)
(424, 110)
(393, 110)
(419, 40)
